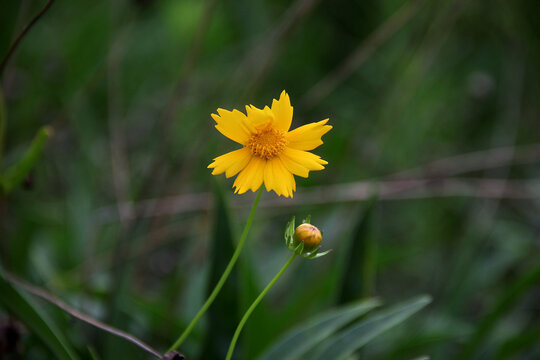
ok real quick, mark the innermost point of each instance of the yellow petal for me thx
(304, 158)
(308, 137)
(270, 182)
(231, 163)
(289, 180)
(278, 178)
(293, 166)
(283, 112)
(251, 177)
(234, 125)
(258, 118)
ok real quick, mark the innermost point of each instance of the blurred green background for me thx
(431, 186)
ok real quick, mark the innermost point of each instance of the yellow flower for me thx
(270, 153)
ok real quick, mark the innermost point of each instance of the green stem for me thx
(223, 278)
(2, 125)
(254, 305)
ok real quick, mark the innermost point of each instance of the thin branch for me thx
(362, 52)
(158, 207)
(343, 193)
(439, 170)
(415, 189)
(483, 215)
(117, 142)
(475, 161)
(157, 171)
(258, 61)
(181, 86)
(83, 317)
(22, 34)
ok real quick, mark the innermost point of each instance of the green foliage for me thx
(24, 308)
(345, 343)
(305, 336)
(128, 88)
(504, 304)
(359, 272)
(2, 126)
(15, 174)
(223, 315)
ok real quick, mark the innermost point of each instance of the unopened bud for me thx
(304, 240)
(309, 235)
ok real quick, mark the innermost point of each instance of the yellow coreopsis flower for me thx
(270, 153)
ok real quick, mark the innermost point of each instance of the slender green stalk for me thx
(223, 278)
(16, 174)
(2, 125)
(22, 34)
(254, 305)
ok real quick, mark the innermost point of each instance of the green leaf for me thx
(345, 343)
(518, 344)
(312, 254)
(504, 304)
(289, 233)
(318, 254)
(299, 340)
(93, 353)
(359, 271)
(18, 172)
(2, 125)
(25, 310)
(223, 315)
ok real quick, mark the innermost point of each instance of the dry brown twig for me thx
(475, 161)
(117, 143)
(79, 315)
(155, 174)
(431, 180)
(24, 31)
(350, 192)
(258, 61)
(360, 54)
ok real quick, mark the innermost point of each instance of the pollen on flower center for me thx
(267, 143)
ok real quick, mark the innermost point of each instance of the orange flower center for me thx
(267, 143)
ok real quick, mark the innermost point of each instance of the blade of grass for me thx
(2, 128)
(518, 344)
(13, 46)
(253, 337)
(302, 338)
(504, 304)
(223, 315)
(79, 315)
(345, 343)
(93, 354)
(24, 309)
(361, 53)
(18, 172)
(359, 272)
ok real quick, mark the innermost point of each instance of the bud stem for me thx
(223, 278)
(254, 305)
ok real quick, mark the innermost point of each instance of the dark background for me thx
(122, 219)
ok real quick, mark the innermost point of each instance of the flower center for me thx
(267, 143)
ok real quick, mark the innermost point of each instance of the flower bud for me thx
(309, 235)
(304, 240)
